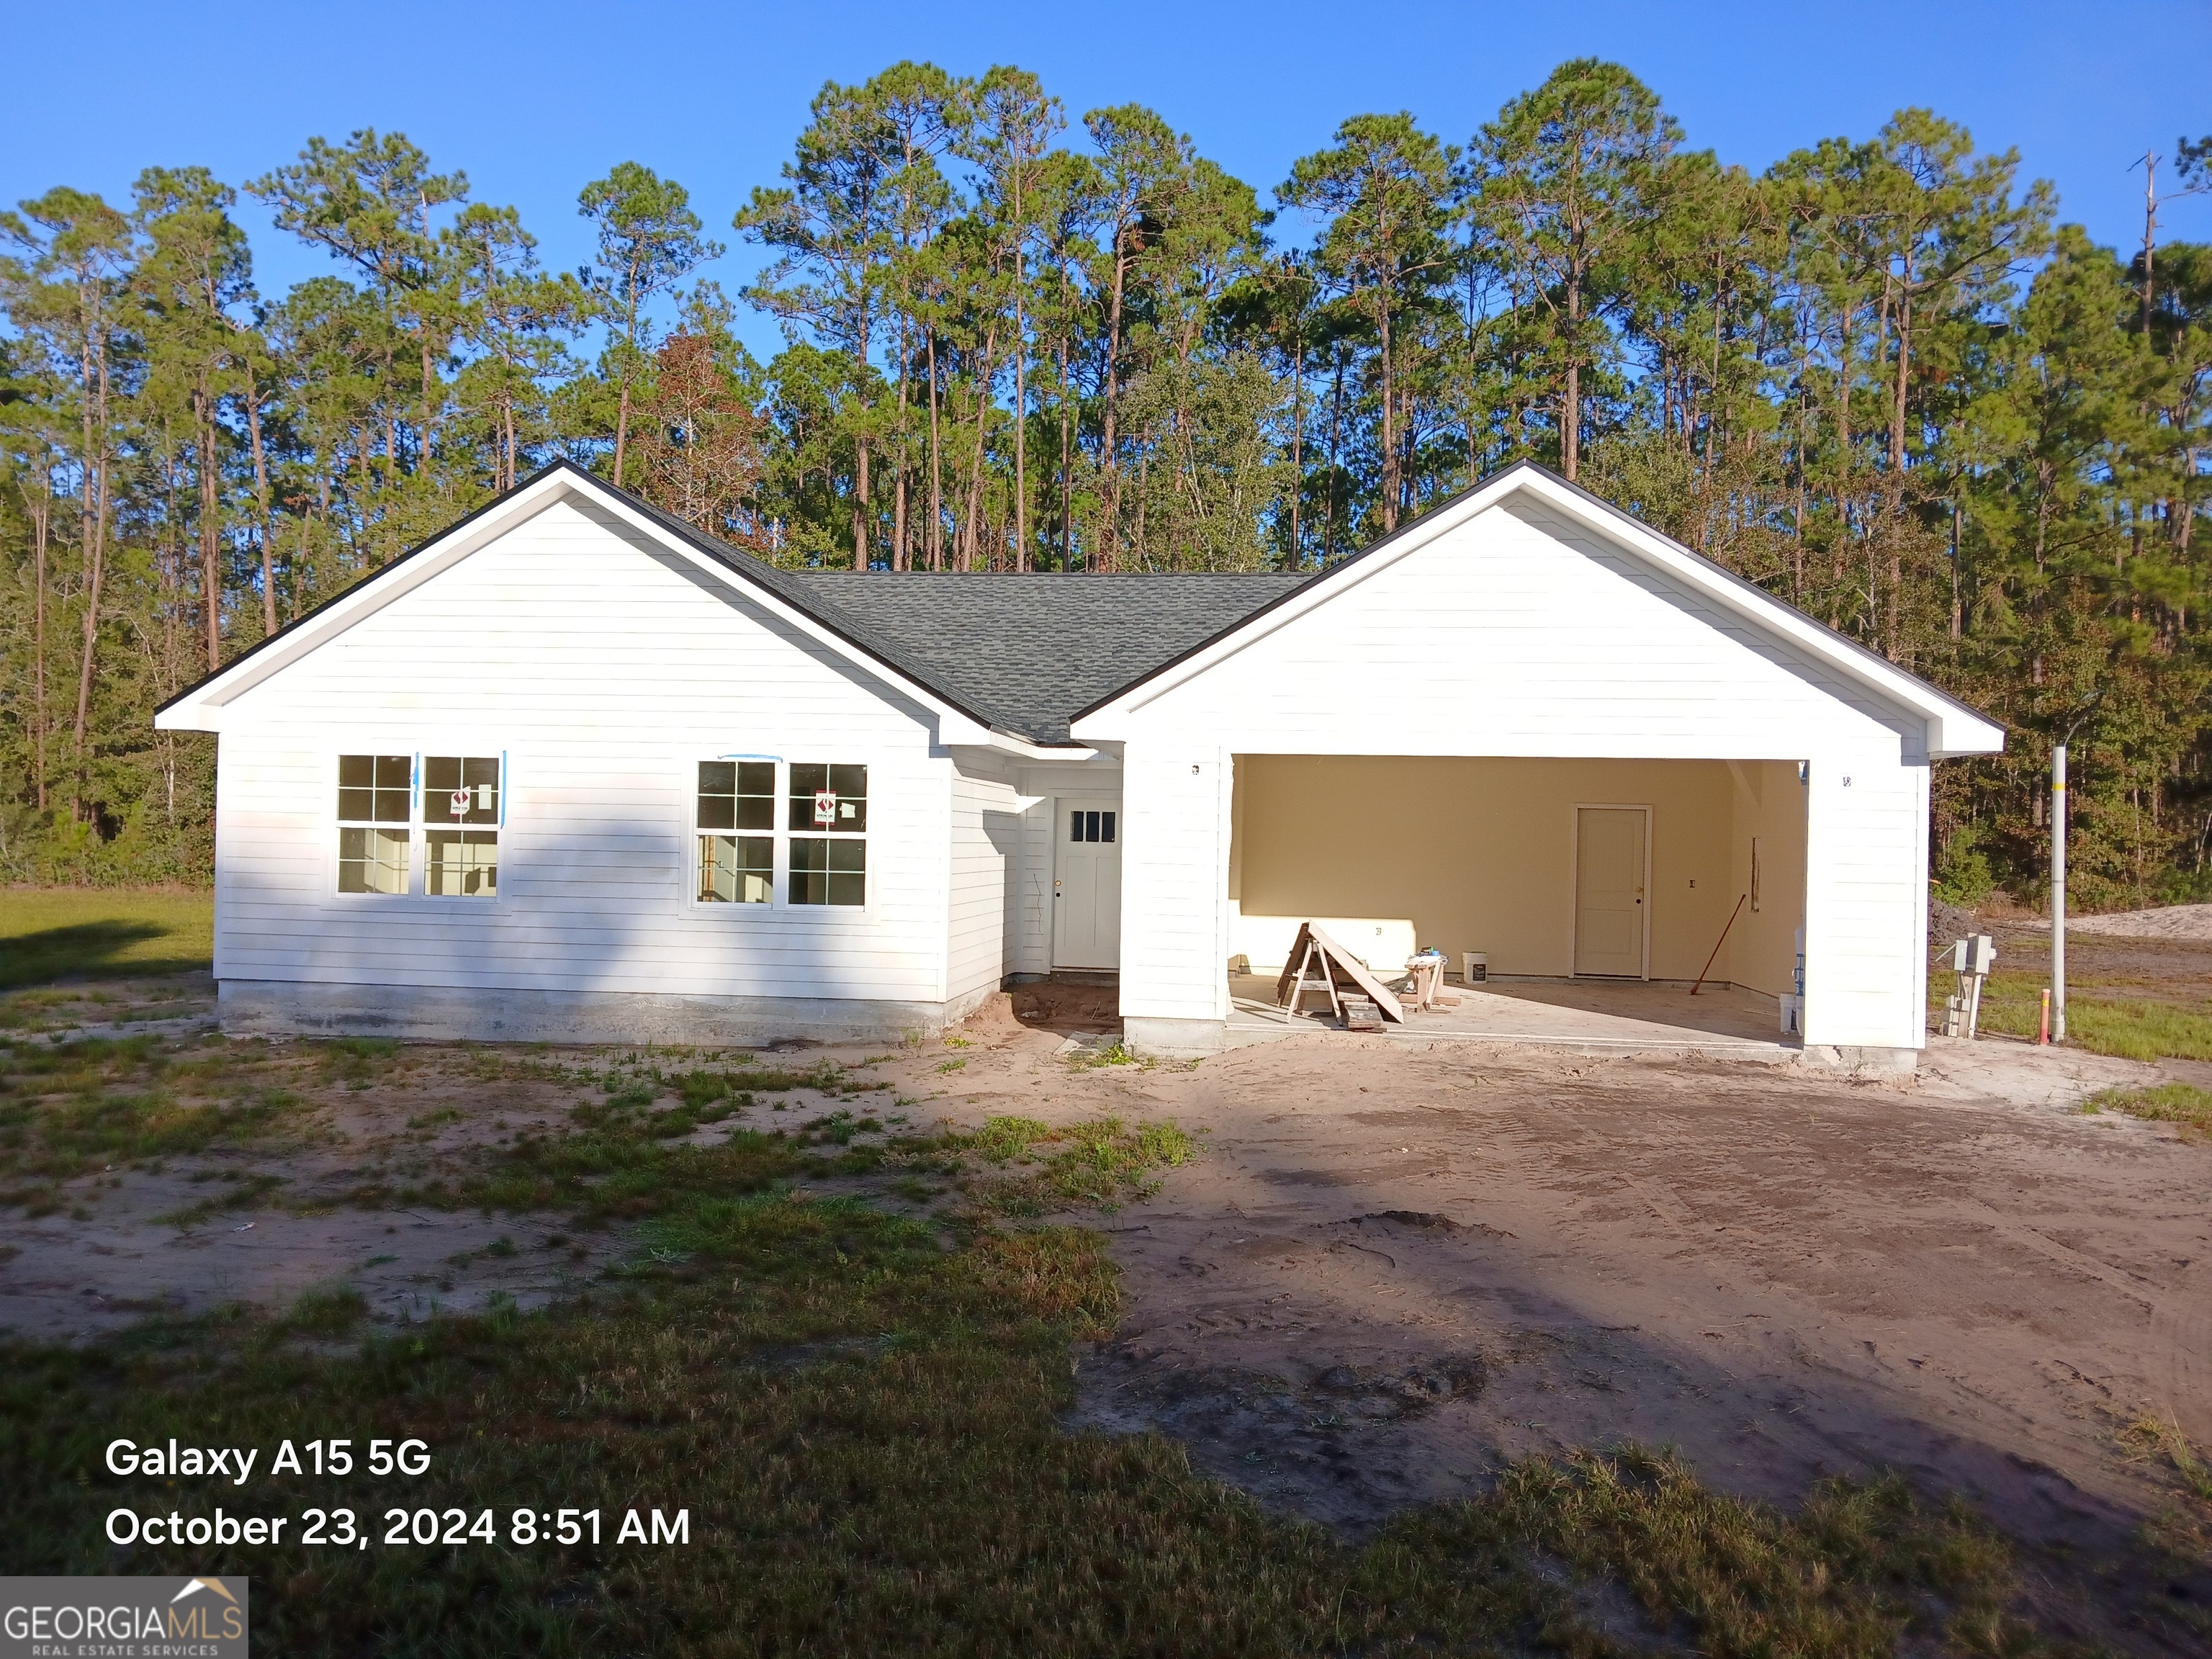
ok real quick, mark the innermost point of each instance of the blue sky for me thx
(532, 101)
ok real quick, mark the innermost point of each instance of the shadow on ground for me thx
(90, 950)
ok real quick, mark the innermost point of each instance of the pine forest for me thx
(1884, 379)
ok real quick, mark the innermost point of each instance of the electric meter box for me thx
(1976, 955)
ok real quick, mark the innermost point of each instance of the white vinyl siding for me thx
(1517, 634)
(605, 668)
(985, 855)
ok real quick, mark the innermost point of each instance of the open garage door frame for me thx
(1643, 889)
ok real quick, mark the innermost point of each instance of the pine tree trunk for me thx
(210, 528)
(261, 494)
(621, 430)
(1021, 395)
(936, 469)
(1570, 413)
(1389, 428)
(41, 521)
(860, 499)
(95, 492)
(1108, 554)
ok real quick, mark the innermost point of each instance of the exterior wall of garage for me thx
(1525, 625)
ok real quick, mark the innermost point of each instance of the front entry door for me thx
(1609, 908)
(1086, 886)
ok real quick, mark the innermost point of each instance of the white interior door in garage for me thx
(1611, 915)
(1087, 885)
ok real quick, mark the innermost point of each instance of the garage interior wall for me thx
(1478, 854)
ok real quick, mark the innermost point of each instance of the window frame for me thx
(698, 833)
(420, 822)
(425, 822)
(336, 826)
(780, 909)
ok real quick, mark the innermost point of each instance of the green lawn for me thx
(2182, 1103)
(102, 933)
(2130, 1028)
(861, 1414)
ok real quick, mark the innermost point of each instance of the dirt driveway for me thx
(1397, 1265)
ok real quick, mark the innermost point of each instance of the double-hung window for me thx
(460, 826)
(460, 815)
(830, 862)
(376, 812)
(737, 832)
(818, 842)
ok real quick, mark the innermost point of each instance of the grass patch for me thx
(861, 1414)
(248, 1192)
(2184, 1103)
(618, 1165)
(1115, 1053)
(1862, 1568)
(2127, 1028)
(47, 933)
(1102, 1164)
(71, 1107)
(2182, 1532)
(356, 1061)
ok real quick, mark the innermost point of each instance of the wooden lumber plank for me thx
(1339, 958)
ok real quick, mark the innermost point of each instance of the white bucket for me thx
(1475, 967)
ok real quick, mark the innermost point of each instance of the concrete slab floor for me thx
(1598, 1014)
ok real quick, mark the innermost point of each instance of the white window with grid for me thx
(812, 850)
(376, 815)
(734, 824)
(460, 826)
(829, 824)
(453, 804)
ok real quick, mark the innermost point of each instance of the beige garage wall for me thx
(1478, 854)
(1769, 806)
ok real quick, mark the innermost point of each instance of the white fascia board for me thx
(1953, 728)
(201, 710)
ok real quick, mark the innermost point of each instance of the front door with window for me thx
(1609, 907)
(1087, 885)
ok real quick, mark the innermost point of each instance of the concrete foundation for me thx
(448, 1013)
(1175, 1039)
(1870, 1061)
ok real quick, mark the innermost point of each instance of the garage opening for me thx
(1588, 876)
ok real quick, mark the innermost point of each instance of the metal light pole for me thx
(2058, 867)
(2058, 892)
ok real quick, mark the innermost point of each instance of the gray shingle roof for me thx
(1027, 653)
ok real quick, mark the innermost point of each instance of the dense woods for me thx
(1882, 379)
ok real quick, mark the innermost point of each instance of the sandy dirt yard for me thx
(1396, 1264)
